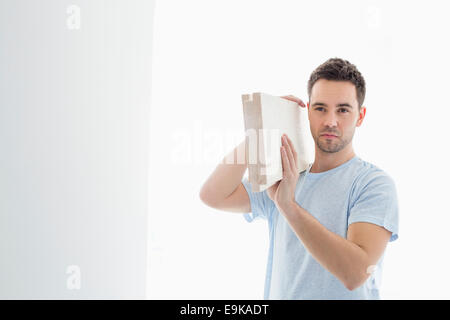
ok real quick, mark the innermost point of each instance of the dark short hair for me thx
(339, 70)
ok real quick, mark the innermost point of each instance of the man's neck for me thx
(327, 161)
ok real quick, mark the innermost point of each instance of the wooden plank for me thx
(266, 118)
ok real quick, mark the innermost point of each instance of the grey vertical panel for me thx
(74, 109)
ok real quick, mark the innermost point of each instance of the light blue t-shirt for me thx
(355, 191)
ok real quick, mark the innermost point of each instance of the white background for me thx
(207, 53)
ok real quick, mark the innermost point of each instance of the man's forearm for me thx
(227, 176)
(343, 258)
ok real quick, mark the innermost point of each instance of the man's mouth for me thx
(329, 136)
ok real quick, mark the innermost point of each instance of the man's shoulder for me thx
(368, 173)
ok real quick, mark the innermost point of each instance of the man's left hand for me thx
(283, 192)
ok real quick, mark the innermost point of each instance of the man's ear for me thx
(362, 114)
(307, 109)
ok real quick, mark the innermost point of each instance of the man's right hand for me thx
(295, 99)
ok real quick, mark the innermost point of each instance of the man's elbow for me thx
(203, 195)
(356, 282)
(206, 198)
(352, 286)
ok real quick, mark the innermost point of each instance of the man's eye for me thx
(344, 110)
(319, 108)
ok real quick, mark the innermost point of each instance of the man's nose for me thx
(330, 120)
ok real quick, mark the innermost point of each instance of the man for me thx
(330, 224)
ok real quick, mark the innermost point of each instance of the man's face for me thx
(333, 110)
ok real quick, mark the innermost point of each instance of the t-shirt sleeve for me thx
(260, 203)
(376, 202)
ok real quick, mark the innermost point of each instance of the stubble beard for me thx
(331, 145)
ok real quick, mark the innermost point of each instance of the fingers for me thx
(290, 155)
(294, 153)
(295, 99)
(285, 162)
